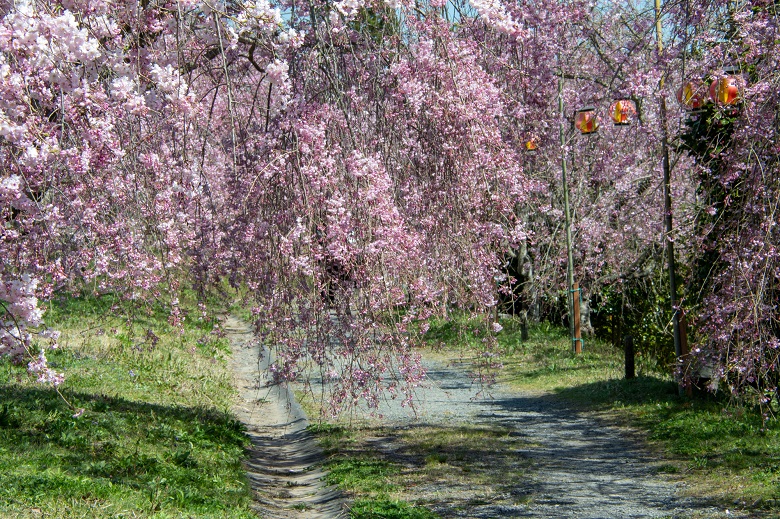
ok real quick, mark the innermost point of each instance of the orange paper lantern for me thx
(725, 91)
(531, 143)
(692, 95)
(622, 111)
(586, 120)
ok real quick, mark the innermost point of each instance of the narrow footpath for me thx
(283, 464)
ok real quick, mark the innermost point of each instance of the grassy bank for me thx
(372, 481)
(155, 439)
(720, 448)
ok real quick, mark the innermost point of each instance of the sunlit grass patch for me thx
(373, 481)
(543, 362)
(473, 461)
(155, 437)
(383, 508)
(363, 475)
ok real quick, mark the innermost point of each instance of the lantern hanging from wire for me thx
(586, 120)
(692, 95)
(531, 142)
(622, 112)
(725, 90)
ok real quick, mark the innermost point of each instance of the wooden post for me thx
(628, 345)
(575, 295)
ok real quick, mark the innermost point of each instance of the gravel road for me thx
(579, 467)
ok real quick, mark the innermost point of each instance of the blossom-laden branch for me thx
(362, 166)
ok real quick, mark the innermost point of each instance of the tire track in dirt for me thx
(283, 465)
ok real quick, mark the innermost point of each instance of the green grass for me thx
(544, 362)
(383, 508)
(721, 448)
(365, 476)
(156, 438)
(371, 480)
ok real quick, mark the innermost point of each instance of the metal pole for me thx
(566, 211)
(668, 196)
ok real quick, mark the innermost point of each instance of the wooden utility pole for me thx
(566, 209)
(628, 345)
(678, 341)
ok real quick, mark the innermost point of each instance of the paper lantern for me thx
(725, 91)
(692, 95)
(622, 112)
(586, 120)
(531, 142)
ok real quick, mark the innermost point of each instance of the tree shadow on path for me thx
(500, 453)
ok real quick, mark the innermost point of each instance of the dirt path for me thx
(574, 466)
(283, 462)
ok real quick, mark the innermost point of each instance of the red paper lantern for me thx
(692, 95)
(586, 120)
(622, 111)
(725, 91)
